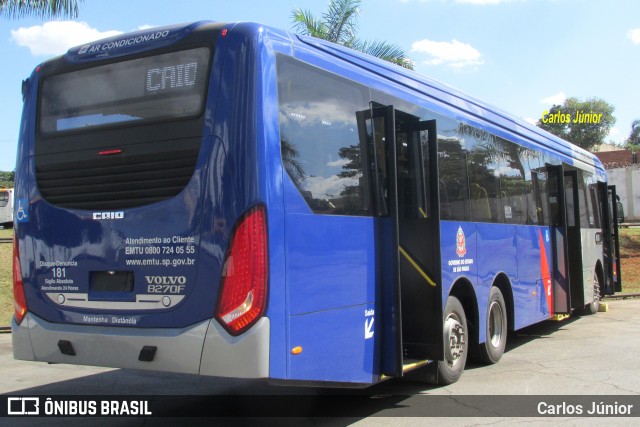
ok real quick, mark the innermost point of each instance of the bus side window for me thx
(480, 203)
(319, 140)
(454, 190)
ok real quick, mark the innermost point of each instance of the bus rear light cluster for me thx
(243, 296)
(19, 300)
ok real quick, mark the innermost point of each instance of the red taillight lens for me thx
(243, 296)
(19, 301)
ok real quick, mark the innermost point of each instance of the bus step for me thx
(407, 365)
(411, 364)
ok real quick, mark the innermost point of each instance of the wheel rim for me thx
(454, 331)
(496, 325)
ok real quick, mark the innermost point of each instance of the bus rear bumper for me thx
(204, 348)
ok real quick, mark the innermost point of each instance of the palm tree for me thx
(44, 9)
(338, 25)
(291, 160)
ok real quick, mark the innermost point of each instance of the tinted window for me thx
(485, 156)
(319, 136)
(589, 202)
(166, 86)
(541, 197)
(412, 151)
(513, 187)
(453, 181)
(526, 176)
(570, 202)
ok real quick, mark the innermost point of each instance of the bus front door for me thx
(402, 154)
(574, 239)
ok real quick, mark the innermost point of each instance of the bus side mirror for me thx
(599, 238)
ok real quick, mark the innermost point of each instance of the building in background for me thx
(623, 171)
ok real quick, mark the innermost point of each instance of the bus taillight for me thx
(243, 296)
(19, 300)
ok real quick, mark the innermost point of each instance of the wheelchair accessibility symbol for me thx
(22, 210)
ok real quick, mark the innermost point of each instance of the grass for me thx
(629, 258)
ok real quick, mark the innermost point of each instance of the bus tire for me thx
(491, 350)
(456, 343)
(592, 307)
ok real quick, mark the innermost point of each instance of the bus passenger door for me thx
(615, 244)
(419, 238)
(574, 239)
(610, 244)
(376, 130)
(402, 154)
(558, 216)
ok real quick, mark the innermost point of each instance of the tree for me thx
(339, 25)
(44, 9)
(7, 179)
(584, 123)
(633, 142)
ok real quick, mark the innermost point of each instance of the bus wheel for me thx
(492, 349)
(456, 338)
(592, 307)
(456, 343)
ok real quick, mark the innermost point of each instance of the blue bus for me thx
(233, 200)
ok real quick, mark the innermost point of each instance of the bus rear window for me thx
(167, 86)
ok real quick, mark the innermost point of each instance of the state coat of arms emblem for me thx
(461, 244)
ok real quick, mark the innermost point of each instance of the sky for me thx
(521, 56)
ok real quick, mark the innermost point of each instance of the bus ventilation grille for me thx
(116, 182)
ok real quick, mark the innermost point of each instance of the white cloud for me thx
(634, 35)
(338, 163)
(328, 188)
(56, 37)
(453, 54)
(530, 120)
(556, 99)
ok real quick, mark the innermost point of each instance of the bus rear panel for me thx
(133, 222)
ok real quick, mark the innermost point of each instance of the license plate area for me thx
(111, 285)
